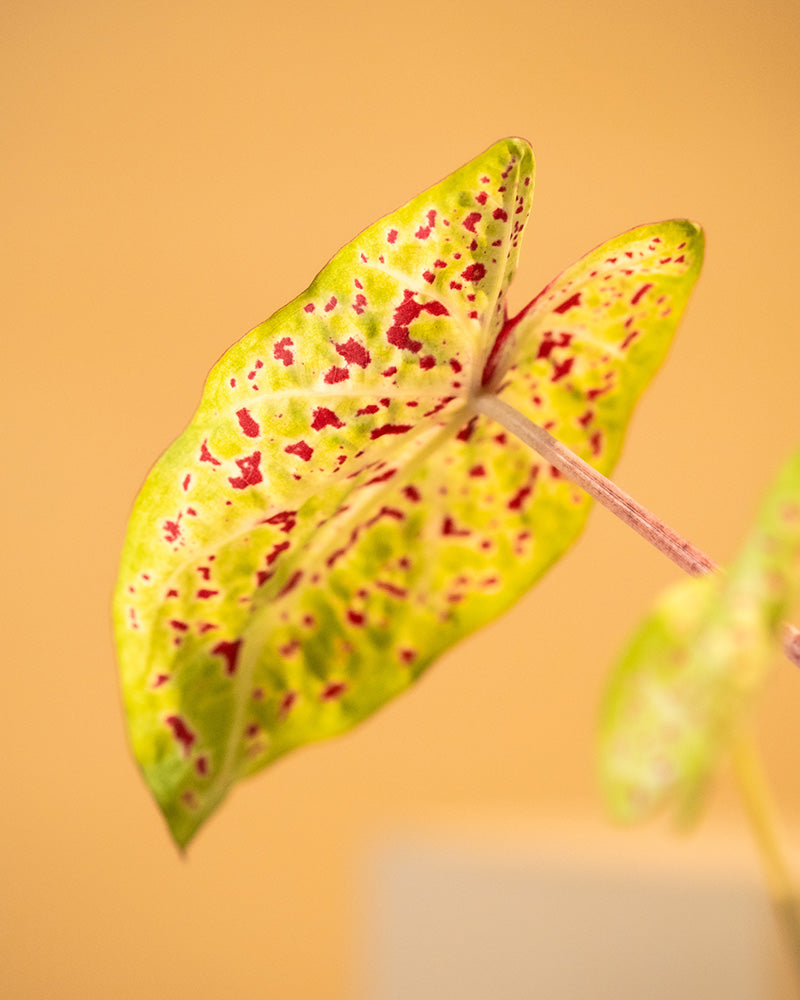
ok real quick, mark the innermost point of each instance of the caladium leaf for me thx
(336, 515)
(693, 669)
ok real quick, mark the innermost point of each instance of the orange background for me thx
(174, 172)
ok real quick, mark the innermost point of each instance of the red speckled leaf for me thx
(336, 515)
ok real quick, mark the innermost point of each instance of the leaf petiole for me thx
(685, 555)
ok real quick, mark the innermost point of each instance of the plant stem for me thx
(761, 812)
(685, 555)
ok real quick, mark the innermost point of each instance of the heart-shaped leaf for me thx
(688, 678)
(336, 514)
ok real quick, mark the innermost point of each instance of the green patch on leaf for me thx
(691, 673)
(336, 515)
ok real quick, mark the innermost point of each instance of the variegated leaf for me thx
(336, 515)
(694, 668)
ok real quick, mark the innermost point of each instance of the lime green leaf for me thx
(692, 671)
(336, 515)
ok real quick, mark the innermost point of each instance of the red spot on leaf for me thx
(570, 303)
(477, 471)
(391, 512)
(186, 480)
(309, 308)
(205, 594)
(411, 493)
(281, 350)
(372, 408)
(378, 432)
(160, 680)
(407, 656)
(276, 551)
(471, 219)
(334, 557)
(391, 236)
(467, 430)
(181, 732)
(229, 651)
(287, 703)
(562, 369)
(592, 394)
(334, 375)
(201, 766)
(500, 214)
(481, 198)
(360, 304)
(330, 304)
(549, 343)
(390, 588)
(291, 583)
(286, 519)
(391, 370)
(250, 472)
(423, 232)
(353, 353)
(474, 273)
(516, 502)
(323, 417)
(333, 691)
(301, 449)
(382, 478)
(206, 456)
(439, 406)
(355, 617)
(596, 443)
(246, 422)
(427, 362)
(429, 276)
(449, 528)
(172, 530)
(640, 293)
